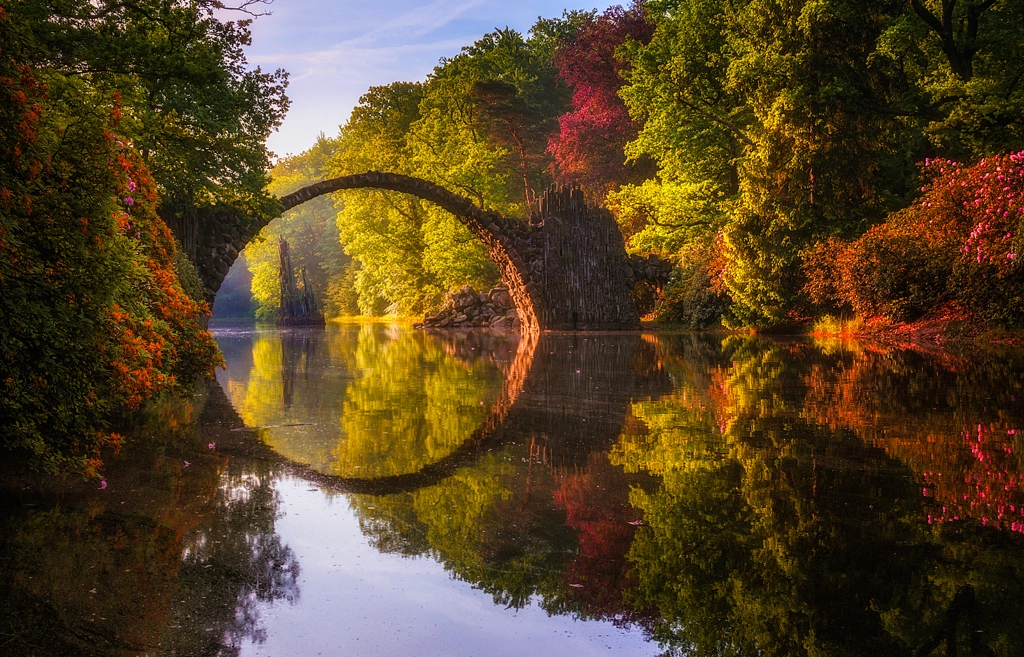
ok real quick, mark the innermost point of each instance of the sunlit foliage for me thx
(479, 126)
(311, 234)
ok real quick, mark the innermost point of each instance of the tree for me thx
(960, 67)
(755, 113)
(196, 113)
(588, 149)
(384, 232)
(310, 229)
(478, 126)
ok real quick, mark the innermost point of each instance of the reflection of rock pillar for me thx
(577, 394)
(296, 349)
(287, 371)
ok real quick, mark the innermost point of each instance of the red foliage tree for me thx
(588, 149)
(596, 503)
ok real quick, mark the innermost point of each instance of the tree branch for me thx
(732, 127)
(927, 16)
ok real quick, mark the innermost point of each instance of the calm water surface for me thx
(373, 490)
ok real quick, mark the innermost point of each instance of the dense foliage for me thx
(588, 148)
(198, 116)
(753, 142)
(781, 125)
(479, 126)
(107, 111)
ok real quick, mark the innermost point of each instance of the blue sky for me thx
(336, 50)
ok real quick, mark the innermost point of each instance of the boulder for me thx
(465, 308)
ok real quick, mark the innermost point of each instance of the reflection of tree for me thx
(365, 401)
(517, 519)
(958, 422)
(168, 559)
(411, 404)
(231, 568)
(789, 518)
(772, 534)
(596, 503)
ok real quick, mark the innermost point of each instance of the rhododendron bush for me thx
(960, 244)
(93, 319)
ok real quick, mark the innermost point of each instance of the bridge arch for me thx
(566, 268)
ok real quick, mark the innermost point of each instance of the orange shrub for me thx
(93, 319)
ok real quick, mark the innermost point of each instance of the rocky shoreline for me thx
(466, 309)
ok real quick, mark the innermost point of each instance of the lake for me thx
(368, 489)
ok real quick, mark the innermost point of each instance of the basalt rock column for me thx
(297, 308)
(581, 266)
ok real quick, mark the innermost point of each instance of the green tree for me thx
(963, 62)
(193, 108)
(384, 232)
(479, 126)
(756, 114)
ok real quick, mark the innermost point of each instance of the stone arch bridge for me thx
(566, 267)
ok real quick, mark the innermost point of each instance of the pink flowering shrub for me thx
(960, 242)
(988, 275)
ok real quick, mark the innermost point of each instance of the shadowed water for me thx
(373, 490)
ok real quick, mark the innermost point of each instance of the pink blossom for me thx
(103, 484)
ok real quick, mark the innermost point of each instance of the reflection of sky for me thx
(357, 601)
(336, 50)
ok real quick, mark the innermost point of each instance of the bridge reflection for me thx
(779, 497)
(566, 394)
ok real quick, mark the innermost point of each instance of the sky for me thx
(335, 50)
